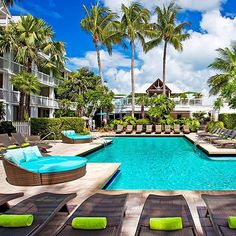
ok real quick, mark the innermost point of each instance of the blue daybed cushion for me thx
(72, 135)
(54, 164)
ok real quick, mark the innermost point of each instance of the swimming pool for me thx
(165, 163)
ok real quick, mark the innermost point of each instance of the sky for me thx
(213, 25)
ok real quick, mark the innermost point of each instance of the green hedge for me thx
(214, 124)
(7, 127)
(43, 126)
(229, 120)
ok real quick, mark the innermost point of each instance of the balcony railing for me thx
(41, 101)
(14, 68)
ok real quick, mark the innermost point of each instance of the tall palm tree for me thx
(27, 84)
(166, 30)
(133, 26)
(27, 40)
(143, 101)
(97, 22)
(226, 64)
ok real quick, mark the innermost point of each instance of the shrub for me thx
(43, 126)
(194, 125)
(229, 120)
(7, 127)
(129, 120)
(143, 122)
(214, 124)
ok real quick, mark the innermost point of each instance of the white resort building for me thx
(42, 105)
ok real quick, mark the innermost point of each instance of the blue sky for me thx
(213, 25)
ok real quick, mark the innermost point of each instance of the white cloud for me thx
(202, 5)
(188, 70)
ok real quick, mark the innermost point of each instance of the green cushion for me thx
(25, 144)
(232, 222)
(12, 146)
(89, 223)
(16, 220)
(168, 223)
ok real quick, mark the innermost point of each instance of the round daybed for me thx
(69, 136)
(27, 167)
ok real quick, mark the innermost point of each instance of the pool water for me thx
(165, 163)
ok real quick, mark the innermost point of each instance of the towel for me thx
(12, 146)
(25, 144)
(168, 223)
(16, 220)
(232, 222)
(89, 223)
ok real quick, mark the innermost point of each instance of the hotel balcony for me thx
(13, 68)
(39, 101)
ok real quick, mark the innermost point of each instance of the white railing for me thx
(22, 127)
(14, 68)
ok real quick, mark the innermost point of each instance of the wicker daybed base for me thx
(68, 140)
(22, 177)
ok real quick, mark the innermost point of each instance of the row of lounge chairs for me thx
(149, 129)
(45, 207)
(18, 140)
(219, 137)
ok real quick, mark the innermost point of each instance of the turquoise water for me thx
(165, 164)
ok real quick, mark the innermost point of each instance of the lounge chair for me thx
(218, 209)
(165, 206)
(139, 129)
(186, 129)
(5, 198)
(110, 206)
(148, 129)
(44, 207)
(212, 131)
(176, 128)
(119, 129)
(223, 135)
(129, 129)
(226, 142)
(27, 167)
(70, 137)
(213, 134)
(6, 142)
(167, 129)
(158, 129)
(22, 142)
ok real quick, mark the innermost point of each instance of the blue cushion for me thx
(54, 164)
(15, 155)
(81, 137)
(69, 133)
(30, 156)
(33, 149)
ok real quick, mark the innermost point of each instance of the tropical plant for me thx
(143, 122)
(64, 109)
(224, 83)
(134, 25)
(214, 124)
(218, 104)
(199, 115)
(160, 107)
(130, 120)
(27, 40)
(2, 111)
(27, 84)
(168, 31)
(97, 22)
(143, 100)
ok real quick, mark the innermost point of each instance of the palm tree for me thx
(226, 63)
(134, 25)
(166, 30)
(27, 84)
(27, 40)
(97, 22)
(143, 101)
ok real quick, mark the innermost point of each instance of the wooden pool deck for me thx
(97, 175)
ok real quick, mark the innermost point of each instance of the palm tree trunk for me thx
(132, 78)
(142, 112)
(99, 60)
(21, 106)
(164, 68)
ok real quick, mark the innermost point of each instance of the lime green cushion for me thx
(16, 220)
(25, 144)
(89, 223)
(168, 223)
(12, 146)
(232, 222)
